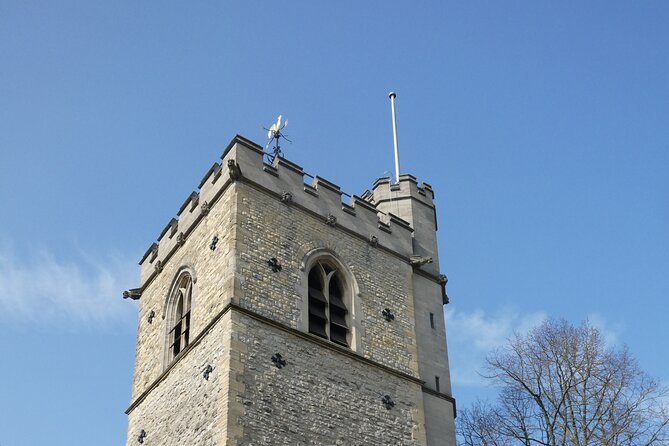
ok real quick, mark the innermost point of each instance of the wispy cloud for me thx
(609, 333)
(82, 291)
(471, 336)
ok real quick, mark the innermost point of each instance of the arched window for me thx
(328, 312)
(178, 321)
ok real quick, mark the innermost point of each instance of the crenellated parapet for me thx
(243, 161)
(413, 203)
(406, 188)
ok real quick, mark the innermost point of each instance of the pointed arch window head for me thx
(179, 327)
(328, 312)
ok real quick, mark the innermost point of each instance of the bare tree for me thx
(561, 386)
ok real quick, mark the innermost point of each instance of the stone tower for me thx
(272, 313)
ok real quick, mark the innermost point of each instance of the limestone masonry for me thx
(271, 313)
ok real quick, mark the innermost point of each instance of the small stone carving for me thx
(134, 294)
(152, 314)
(235, 171)
(443, 280)
(416, 261)
(205, 208)
(181, 239)
(159, 267)
(286, 197)
(331, 220)
(373, 240)
(141, 436)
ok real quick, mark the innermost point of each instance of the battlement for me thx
(243, 160)
(407, 187)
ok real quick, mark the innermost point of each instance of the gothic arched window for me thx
(178, 321)
(328, 312)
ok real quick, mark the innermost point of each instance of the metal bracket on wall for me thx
(278, 361)
(388, 402)
(207, 371)
(274, 264)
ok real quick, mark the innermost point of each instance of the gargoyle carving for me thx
(235, 171)
(443, 280)
(331, 220)
(417, 261)
(133, 293)
(286, 197)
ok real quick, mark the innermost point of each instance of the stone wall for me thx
(321, 397)
(212, 273)
(185, 408)
(269, 228)
(326, 394)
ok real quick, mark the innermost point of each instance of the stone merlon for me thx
(369, 216)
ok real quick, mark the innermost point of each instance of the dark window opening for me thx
(436, 383)
(432, 320)
(179, 334)
(328, 315)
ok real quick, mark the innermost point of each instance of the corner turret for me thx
(414, 204)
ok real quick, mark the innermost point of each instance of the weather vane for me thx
(274, 134)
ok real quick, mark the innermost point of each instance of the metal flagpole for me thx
(392, 96)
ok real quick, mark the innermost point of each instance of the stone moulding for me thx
(283, 177)
(310, 337)
(171, 227)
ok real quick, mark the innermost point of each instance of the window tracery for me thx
(328, 311)
(179, 320)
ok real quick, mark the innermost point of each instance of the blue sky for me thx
(542, 127)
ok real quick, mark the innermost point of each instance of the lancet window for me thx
(180, 312)
(328, 311)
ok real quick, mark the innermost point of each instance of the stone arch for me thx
(177, 310)
(351, 292)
